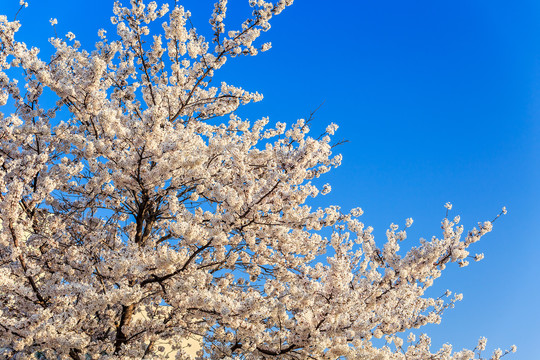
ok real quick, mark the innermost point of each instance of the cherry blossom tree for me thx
(137, 208)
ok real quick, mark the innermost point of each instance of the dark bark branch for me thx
(125, 320)
(74, 354)
(159, 279)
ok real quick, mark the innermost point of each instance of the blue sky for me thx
(439, 101)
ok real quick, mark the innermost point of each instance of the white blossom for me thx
(408, 222)
(481, 344)
(478, 257)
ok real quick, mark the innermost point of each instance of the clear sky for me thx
(440, 101)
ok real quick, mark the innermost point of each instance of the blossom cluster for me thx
(153, 197)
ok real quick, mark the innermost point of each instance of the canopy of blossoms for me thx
(137, 208)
